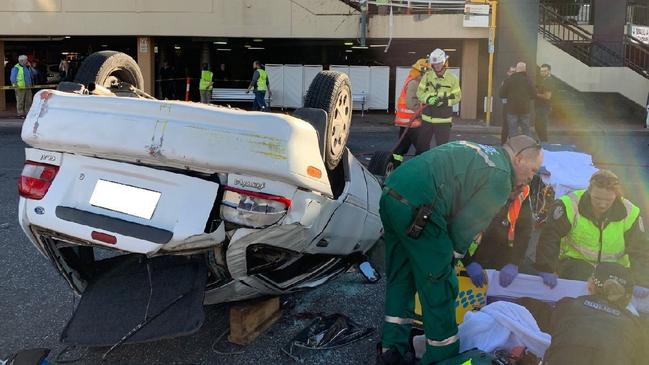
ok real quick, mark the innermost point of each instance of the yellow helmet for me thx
(421, 65)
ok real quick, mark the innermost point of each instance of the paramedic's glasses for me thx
(537, 146)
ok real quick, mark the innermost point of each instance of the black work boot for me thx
(390, 357)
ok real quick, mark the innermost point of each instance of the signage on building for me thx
(639, 32)
(476, 15)
(144, 45)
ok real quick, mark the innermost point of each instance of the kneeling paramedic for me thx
(598, 328)
(431, 208)
(587, 227)
(504, 242)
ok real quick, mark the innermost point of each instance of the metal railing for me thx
(578, 11)
(575, 40)
(378, 7)
(636, 55)
(637, 14)
(579, 43)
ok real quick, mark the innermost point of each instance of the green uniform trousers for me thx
(423, 265)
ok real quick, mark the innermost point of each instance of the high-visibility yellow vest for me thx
(206, 80)
(261, 81)
(20, 76)
(587, 242)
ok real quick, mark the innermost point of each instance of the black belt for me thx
(398, 197)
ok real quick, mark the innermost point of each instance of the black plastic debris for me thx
(327, 333)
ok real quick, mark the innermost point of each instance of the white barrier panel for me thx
(379, 92)
(400, 78)
(309, 72)
(276, 80)
(293, 83)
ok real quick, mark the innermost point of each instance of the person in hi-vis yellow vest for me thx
(440, 90)
(205, 84)
(587, 227)
(260, 85)
(22, 79)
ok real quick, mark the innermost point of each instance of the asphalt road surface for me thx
(35, 303)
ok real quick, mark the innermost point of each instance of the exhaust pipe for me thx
(96, 89)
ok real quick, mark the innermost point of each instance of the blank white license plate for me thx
(125, 199)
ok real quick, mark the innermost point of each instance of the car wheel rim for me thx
(340, 122)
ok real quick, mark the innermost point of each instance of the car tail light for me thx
(103, 237)
(36, 179)
(251, 208)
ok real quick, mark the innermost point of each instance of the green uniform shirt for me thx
(466, 182)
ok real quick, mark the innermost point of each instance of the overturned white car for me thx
(269, 203)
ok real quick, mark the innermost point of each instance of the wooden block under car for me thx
(250, 319)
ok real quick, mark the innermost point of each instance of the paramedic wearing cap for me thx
(587, 227)
(405, 117)
(459, 187)
(439, 90)
(598, 328)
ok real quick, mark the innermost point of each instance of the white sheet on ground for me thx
(502, 325)
(568, 170)
(532, 286)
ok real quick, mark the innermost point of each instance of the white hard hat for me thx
(437, 56)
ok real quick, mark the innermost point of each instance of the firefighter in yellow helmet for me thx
(439, 90)
(406, 117)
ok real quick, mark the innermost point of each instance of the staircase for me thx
(578, 42)
(593, 75)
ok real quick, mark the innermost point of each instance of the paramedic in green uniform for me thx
(431, 208)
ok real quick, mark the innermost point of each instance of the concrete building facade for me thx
(306, 31)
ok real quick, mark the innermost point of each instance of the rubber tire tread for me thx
(379, 162)
(322, 94)
(99, 65)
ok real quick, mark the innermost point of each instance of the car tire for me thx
(381, 163)
(331, 92)
(109, 67)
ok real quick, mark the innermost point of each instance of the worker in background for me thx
(439, 90)
(598, 328)
(205, 84)
(504, 129)
(543, 108)
(519, 92)
(260, 85)
(588, 227)
(432, 207)
(504, 242)
(406, 119)
(22, 79)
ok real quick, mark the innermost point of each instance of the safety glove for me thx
(549, 279)
(432, 100)
(476, 274)
(507, 274)
(640, 292)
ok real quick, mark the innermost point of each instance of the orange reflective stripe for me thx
(403, 115)
(514, 211)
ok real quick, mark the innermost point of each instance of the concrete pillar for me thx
(469, 75)
(516, 40)
(608, 30)
(146, 61)
(3, 101)
(205, 55)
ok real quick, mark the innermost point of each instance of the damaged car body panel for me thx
(159, 131)
(247, 193)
